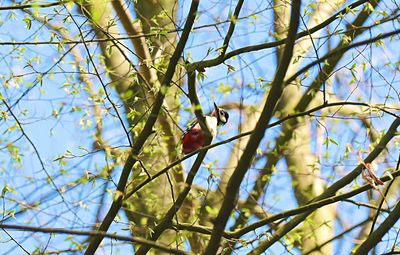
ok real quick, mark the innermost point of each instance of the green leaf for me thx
(201, 76)
(28, 22)
(230, 68)
(333, 141)
(223, 88)
(328, 140)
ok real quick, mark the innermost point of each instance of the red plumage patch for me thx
(193, 140)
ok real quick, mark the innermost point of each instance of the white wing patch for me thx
(212, 124)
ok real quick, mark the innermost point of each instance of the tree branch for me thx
(339, 51)
(307, 208)
(137, 39)
(247, 156)
(285, 214)
(231, 27)
(383, 199)
(167, 219)
(147, 129)
(375, 237)
(233, 138)
(136, 240)
(220, 59)
(36, 5)
(329, 192)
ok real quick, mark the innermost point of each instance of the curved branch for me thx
(139, 41)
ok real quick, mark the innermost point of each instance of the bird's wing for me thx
(190, 126)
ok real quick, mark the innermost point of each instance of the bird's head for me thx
(221, 114)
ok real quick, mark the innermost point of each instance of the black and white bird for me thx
(193, 138)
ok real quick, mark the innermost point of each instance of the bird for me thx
(193, 137)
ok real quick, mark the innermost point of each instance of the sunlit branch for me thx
(139, 42)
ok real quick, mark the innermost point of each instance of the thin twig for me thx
(231, 28)
(101, 80)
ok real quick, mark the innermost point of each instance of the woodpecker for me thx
(193, 138)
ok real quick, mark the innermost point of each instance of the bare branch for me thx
(308, 208)
(311, 207)
(318, 247)
(339, 51)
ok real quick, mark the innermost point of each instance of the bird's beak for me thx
(216, 110)
(215, 106)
